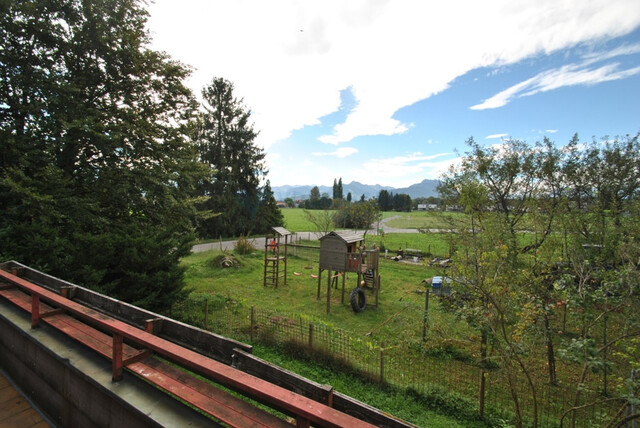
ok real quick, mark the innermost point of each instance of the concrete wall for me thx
(72, 386)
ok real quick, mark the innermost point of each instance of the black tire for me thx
(358, 300)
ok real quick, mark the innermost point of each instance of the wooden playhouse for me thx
(342, 252)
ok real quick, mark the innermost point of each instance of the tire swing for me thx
(358, 300)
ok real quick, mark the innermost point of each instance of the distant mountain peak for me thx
(424, 189)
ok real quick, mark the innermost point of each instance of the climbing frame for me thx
(275, 257)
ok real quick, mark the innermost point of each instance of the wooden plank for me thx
(11, 407)
(206, 397)
(23, 301)
(89, 336)
(25, 418)
(237, 380)
(7, 394)
(15, 411)
(277, 375)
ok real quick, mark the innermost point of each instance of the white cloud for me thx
(493, 136)
(341, 152)
(402, 170)
(567, 75)
(290, 59)
(550, 131)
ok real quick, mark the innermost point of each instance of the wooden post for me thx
(319, 281)
(152, 325)
(329, 291)
(67, 291)
(483, 373)
(382, 362)
(302, 422)
(604, 355)
(35, 311)
(310, 336)
(425, 320)
(206, 314)
(253, 322)
(116, 363)
(483, 383)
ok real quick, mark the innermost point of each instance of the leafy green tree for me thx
(313, 203)
(385, 201)
(361, 215)
(225, 141)
(269, 215)
(95, 166)
(402, 202)
(323, 220)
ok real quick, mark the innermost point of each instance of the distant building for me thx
(429, 207)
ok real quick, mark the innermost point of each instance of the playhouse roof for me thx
(347, 236)
(281, 231)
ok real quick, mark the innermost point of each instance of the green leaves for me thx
(96, 166)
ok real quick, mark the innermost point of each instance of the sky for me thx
(388, 92)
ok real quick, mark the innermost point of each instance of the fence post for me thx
(206, 314)
(425, 320)
(253, 323)
(631, 408)
(310, 336)
(483, 382)
(382, 362)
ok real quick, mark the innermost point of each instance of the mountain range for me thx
(423, 189)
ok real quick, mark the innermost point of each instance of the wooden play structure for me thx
(342, 252)
(275, 256)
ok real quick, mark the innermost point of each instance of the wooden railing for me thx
(44, 304)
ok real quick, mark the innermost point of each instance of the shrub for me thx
(244, 246)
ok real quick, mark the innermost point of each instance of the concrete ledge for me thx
(72, 385)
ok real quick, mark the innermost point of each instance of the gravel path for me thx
(304, 236)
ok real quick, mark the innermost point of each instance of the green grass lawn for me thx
(296, 221)
(398, 318)
(399, 282)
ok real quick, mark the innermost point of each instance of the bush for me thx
(244, 246)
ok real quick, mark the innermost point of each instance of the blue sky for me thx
(387, 92)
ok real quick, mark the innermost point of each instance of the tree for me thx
(385, 201)
(269, 215)
(323, 220)
(313, 203)
(96, 170)
(402, 202)
(361, 215)
(349, 197)
(225, 141)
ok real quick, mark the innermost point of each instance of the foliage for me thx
(96, 169)
(243, 246)
(317, 201)
(361, 215)
(225, 141)
(337, 189)
(269, 215)
(322, 220)
(387, 201)
(569, 202)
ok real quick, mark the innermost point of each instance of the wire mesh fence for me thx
(403, 365)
